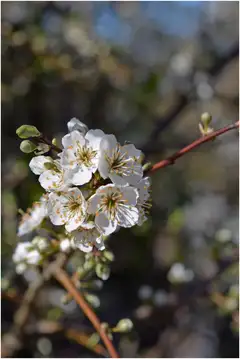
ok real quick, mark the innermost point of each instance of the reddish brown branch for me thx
(171, 160)
(67, 283)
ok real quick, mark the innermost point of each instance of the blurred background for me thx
(144, 71)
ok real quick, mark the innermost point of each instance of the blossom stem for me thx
(171, 160)
(64, 279)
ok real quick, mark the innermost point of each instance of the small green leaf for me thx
(26, 131)
(27, 146)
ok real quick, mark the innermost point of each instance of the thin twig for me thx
(171, 160)
(12, 340)
(81, 337)
(67, 283)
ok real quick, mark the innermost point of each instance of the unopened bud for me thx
(27, 146)
(93, 300)
(54, 141)
(108, 255)
(123, 326)
(42, 148)
(147, 166)
(102, 271)
(206, 119)
(26, 131)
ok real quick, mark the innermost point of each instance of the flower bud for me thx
(26, 131)
(108, 255)
(93, 300)
(54, 141)
(123, 326)
(42, 148)
(27, 146)
(102, 271)
(206, 119)
(147, 166)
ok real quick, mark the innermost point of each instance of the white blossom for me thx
(40, 243)
(25, 253)
(113, 206)
(179, 274)
(81, 154)
(37, 164)
(87, 236)
(120, 163)
(34, 217)
(20, 268)
(67, 208)
(143, 203)
(75, 125)
(55, 179)
(65, 245)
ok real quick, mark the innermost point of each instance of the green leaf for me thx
(26, 131)
(27, 146)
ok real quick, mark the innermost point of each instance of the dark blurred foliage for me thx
(144, 71)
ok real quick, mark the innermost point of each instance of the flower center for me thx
(117, 162)
(85, 155)
(110, 203)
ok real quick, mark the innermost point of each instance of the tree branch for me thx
(67, 283)
(162, 122)
(171, 160)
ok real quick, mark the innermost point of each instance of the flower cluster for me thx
(29, 253)
(94, 186)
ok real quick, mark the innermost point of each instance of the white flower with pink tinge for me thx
(114, 206)
(54, 178)
(120, 163)
(81, 154)
(67, 208)
(86, 237)
(34, 216)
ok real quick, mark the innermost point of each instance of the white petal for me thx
(74, 222)
(130, 195)
(65, 245)
(81, 176)
(85, 247)
(33, 257)
(118, 180)
(72, 139)
(93, 203)
(108, 144)
(127, 216)
(103, 167)
(143, 188)
(56, 215)
(94, 137)
(50, 180)
(37, 164)
(75, 125)
(68, 159)
(104, 224)
(131, 151)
